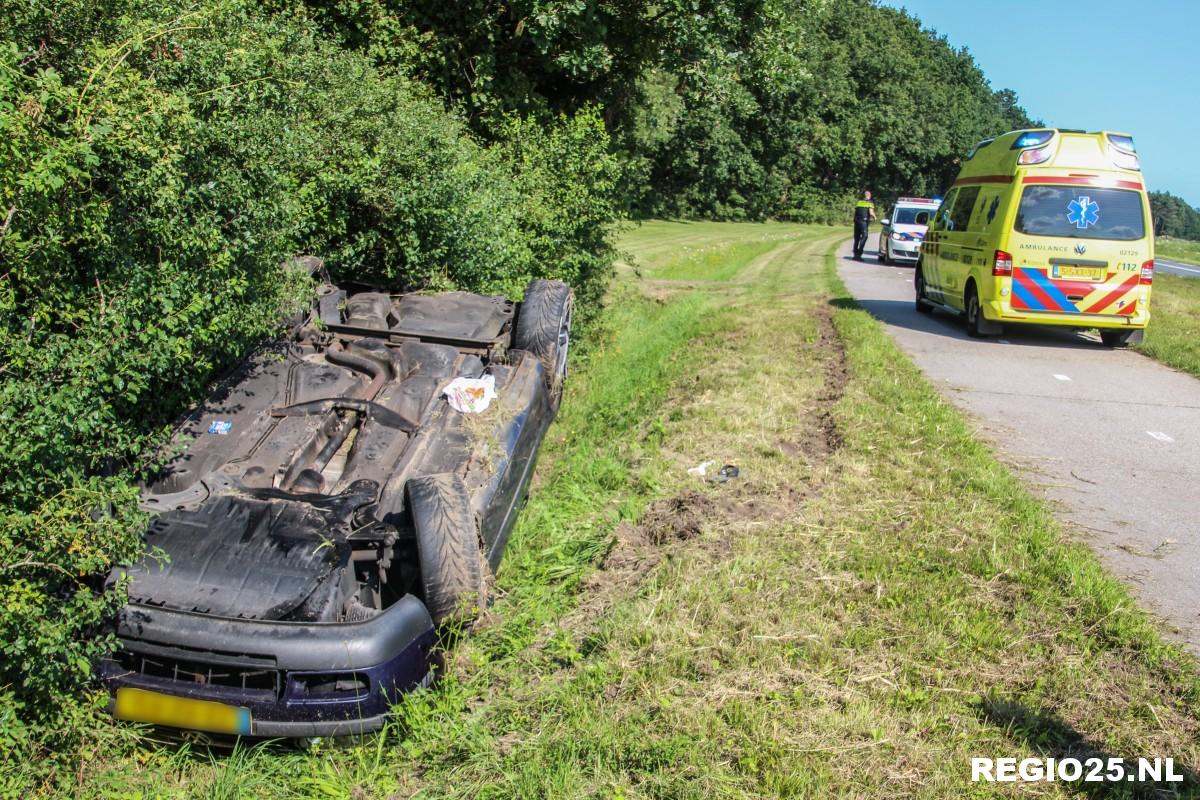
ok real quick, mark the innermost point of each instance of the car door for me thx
(956, 247)
(931, 264)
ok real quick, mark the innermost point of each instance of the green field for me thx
(1173, 336)
(873, 601)
(1178, 250)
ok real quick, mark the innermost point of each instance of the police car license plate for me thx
(1087, 273)
(140, 705)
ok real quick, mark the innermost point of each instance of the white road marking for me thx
(1170, 265)
(1062, 377)
(1162, 437)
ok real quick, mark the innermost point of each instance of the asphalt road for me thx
(1176, 268)
(1110, 437)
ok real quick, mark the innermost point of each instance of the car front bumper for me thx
(288, 679)
(904, 251)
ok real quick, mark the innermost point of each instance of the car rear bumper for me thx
(295, 679)
(1002, 312)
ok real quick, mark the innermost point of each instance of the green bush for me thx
(158, 162)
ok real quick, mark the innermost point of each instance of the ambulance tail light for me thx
(1002, 266)
(1147, 273)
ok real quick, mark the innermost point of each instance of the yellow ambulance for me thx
(1044, 227)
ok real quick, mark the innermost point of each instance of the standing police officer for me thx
(864, 212)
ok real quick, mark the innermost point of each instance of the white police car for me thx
(904, 229)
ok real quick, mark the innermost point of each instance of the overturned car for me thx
(330, 509)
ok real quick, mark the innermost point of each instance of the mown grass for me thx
(873, 601)
(1173, 336)
(711, 251)
(1178, 250)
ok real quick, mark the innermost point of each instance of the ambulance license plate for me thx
(140, 705)
(1087, 273)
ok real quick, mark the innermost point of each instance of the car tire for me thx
(452, 570)
(973, 312)
(1115, 337)
(544, 330)
(923, 305)
(883, 254)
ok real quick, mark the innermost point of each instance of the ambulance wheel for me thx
(923, 306)
(975, 313)
(1115, 337)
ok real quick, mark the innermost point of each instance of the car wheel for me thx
(974, 313)
(883, 253)
(544, 329)
(1115, 338)
(923, 306)
(448, 551)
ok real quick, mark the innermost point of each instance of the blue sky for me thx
(1093, 64)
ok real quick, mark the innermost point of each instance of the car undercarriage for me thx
(327, 510)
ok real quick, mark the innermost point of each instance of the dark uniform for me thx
(862, 220)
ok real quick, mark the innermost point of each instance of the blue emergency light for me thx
(1122, 142)
(1032, 139)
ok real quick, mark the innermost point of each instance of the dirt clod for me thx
(677, 519)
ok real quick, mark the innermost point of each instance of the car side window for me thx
(960, 215)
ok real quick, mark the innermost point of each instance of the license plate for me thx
(140, 705)
(1087, 273)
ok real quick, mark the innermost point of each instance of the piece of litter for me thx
(725, 473)
(220, 427)
(1162, 437)
(700, 470)
(471, 395)
(1062, 377)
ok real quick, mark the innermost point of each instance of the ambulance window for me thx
(960, 216)
(943, 212)
(1081, 212)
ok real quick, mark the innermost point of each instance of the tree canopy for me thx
(1174, 217)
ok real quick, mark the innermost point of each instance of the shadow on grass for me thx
(1049, 736)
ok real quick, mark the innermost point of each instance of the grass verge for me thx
(1173, 336)
(872, 602)
(1178, 250)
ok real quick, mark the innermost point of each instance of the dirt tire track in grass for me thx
(824, 436)
(672, 524)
